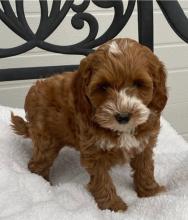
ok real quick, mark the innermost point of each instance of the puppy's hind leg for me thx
(45, 150)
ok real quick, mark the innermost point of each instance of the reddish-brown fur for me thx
(61, 110)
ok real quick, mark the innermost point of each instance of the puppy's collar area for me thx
(124, 140)
(130, 131)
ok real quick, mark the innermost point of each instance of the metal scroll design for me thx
(49, 21)
(175, 17)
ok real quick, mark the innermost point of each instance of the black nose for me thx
(122, 118)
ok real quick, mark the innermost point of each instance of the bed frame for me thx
(49, 21)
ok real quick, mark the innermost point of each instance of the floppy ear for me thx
(81, 82)
(158, 73)
(86, 69)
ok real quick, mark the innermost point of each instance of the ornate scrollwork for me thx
(48, 23)
(175, 17)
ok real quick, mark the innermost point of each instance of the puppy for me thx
(109, 110)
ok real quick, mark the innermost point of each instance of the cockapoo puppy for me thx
(109, 110)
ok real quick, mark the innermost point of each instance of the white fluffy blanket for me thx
(27, 196)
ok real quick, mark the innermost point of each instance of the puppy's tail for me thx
(19, 126)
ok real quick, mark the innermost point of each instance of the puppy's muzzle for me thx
(123, 118)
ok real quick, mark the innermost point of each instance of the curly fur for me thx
(78, 109)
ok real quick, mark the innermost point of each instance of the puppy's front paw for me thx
(115, 205)
(150, 191)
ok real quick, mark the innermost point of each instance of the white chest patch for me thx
(105, 144)
(126, 141)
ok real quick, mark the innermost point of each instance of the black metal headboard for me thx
(51, 20)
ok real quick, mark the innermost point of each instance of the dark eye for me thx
(103, 86)
(138, 84)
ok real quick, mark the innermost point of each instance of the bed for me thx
(24, 195)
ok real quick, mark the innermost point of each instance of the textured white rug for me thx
(26, 196)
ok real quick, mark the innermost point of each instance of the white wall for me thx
(171, 50)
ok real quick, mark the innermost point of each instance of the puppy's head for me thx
(123, 82)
